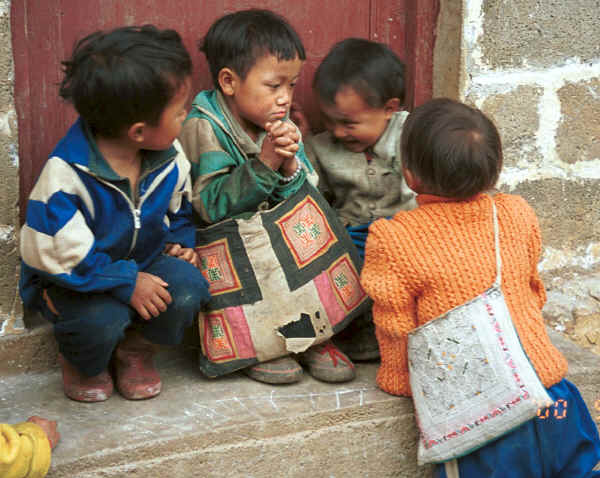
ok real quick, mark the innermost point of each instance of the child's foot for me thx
(327, 363)
(276, 371)
(82, 388)
(136, 377)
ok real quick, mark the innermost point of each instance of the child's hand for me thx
(285, 137)
(185, 253)
(297, 116)
(49, 302)
(281, 143)
(269, 156)
(49, 427)
(150, 296)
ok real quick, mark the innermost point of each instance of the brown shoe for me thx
(276, 371)
(82, 388)
(358, 340)
(136, 377)
(327, 363)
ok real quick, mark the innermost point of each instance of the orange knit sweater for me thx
(424, 262)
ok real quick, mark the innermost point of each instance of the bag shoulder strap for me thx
(498, 280)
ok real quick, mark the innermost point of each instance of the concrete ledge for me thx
(226, 427)
(34, 350)
(237, 427)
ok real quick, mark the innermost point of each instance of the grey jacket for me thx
(362, 191)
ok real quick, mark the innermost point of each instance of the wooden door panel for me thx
(44, 33)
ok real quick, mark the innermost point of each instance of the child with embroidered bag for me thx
(360, 88)
(422, 263)
(246, 154)
(107, 246)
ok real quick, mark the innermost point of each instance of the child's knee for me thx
(191, 293)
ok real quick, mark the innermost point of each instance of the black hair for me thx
(372, 69)
(238, 40)
(454, 150)
(129, 74)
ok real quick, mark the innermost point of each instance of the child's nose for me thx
(284, 98)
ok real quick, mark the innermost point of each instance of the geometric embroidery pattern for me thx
(306, 232)
(218, 345)
(217, 267)
(345, 282)
(295, 258)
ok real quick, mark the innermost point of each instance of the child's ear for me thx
(412, 181)
(391, 106)
(228, 80)
(136, 132)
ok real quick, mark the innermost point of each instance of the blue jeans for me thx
(562, 442)
(90, 325)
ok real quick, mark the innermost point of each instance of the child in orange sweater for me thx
(424, 262)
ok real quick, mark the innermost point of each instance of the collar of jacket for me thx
(432, 198)
(212, 103)
(79, 147)
(387, 146)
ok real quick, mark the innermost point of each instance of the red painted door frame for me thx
(43, 33)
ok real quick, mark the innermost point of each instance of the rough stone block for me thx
(568, 211)
(519, 33)
(516, 117)
(578, 136)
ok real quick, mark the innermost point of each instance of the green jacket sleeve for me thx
(225, 182)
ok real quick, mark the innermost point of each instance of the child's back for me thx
(424, 262)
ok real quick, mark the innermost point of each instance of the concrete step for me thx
(233, 426)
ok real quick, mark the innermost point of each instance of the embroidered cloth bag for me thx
(281, 280)
(470, 378)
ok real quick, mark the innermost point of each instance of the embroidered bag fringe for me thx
(470, 378)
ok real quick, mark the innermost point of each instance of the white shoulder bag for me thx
(471, 380)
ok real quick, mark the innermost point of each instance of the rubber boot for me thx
(81, 388)
(136, 377)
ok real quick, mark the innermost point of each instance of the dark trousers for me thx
(561, 442)
(90, 325)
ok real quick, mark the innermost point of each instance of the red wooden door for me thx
(44, 33)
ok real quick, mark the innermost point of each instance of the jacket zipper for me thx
(136, 212)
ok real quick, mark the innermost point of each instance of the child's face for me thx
(162, 135)
(265, 95)
(355, 123)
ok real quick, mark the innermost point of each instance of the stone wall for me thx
(534, 67)
(10, 306)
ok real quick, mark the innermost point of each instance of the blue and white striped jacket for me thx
(87, 231)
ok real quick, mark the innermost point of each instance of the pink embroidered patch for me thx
(306, 232)
(346, 283)
(217, 267)
(226, 335)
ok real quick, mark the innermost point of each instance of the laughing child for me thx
(359, 88)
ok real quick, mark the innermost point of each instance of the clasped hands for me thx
(280, 147)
